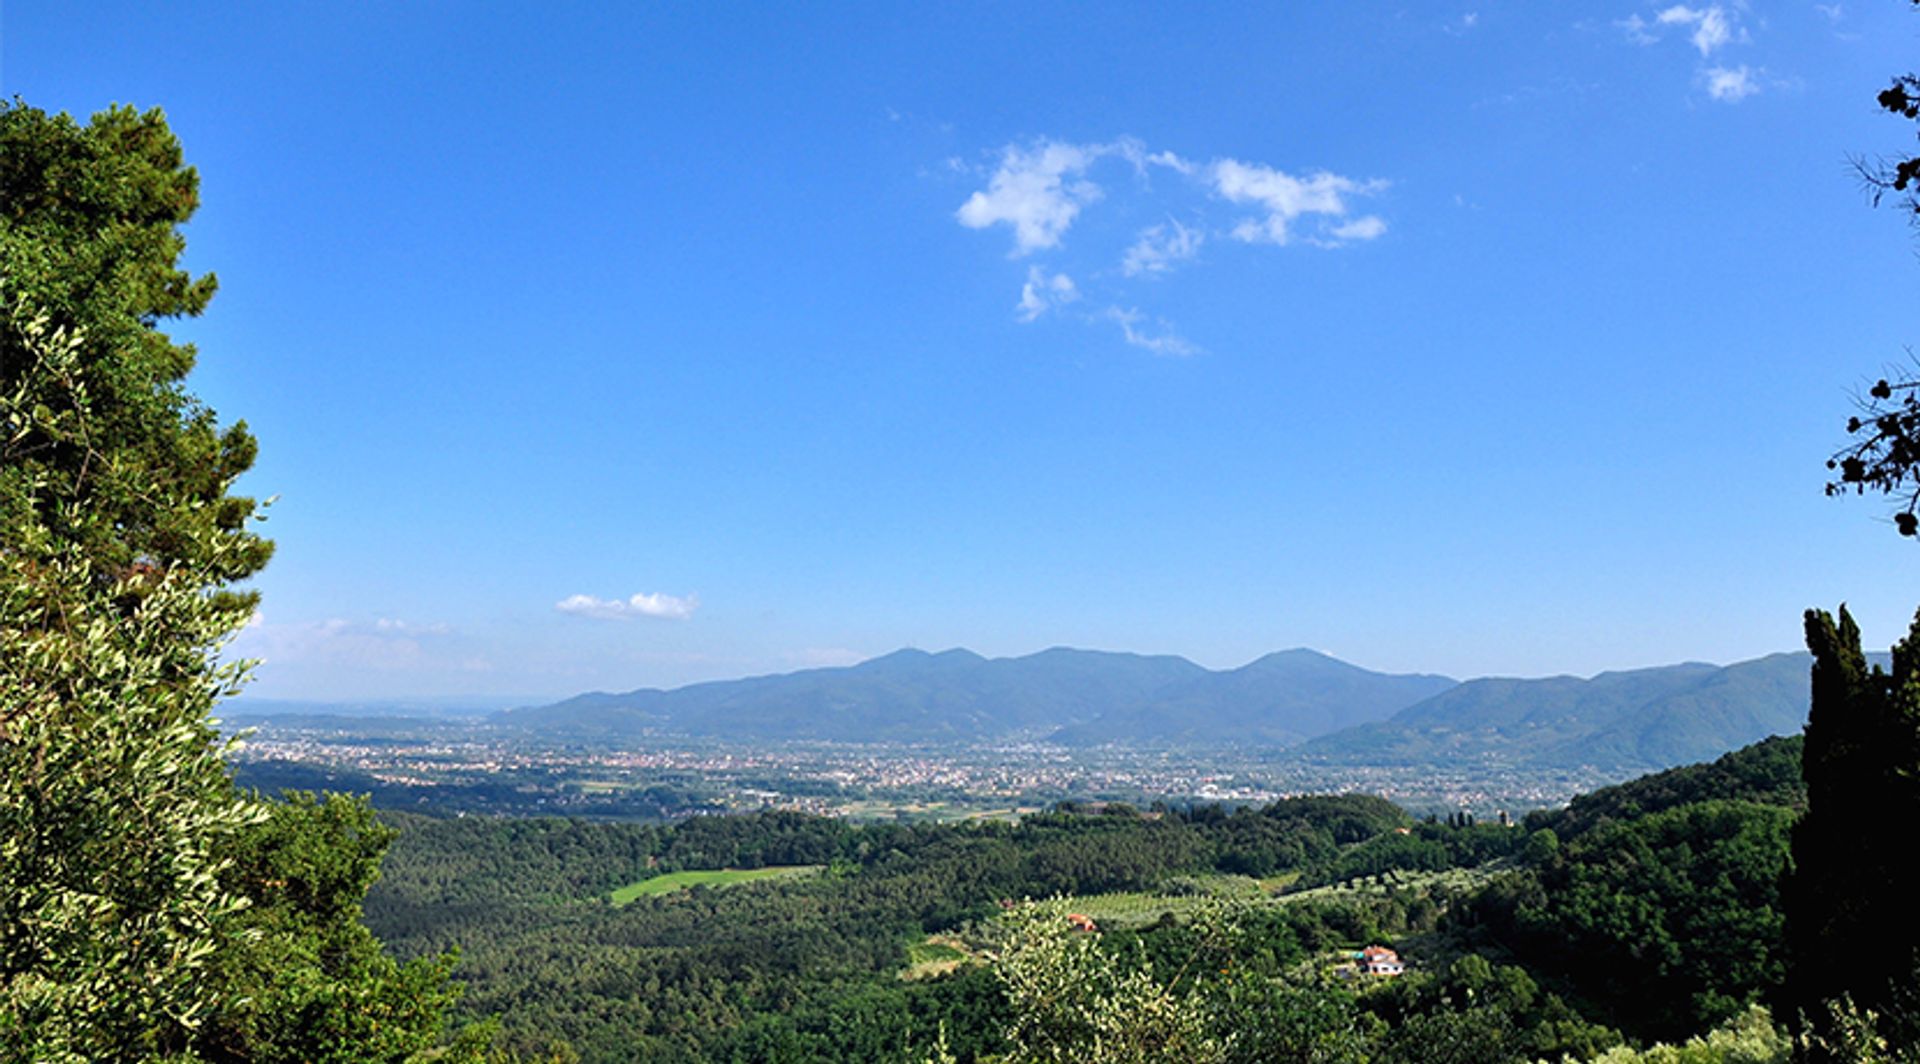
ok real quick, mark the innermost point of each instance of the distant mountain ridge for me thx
(1074, 697)
(1284, 698)
(1318, 706)
(1639, 719)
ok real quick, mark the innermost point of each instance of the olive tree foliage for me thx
(118, 538)
(1076, 1003)
(149, 909)
(1749, 1038)
(113, 797)
(1076, 998)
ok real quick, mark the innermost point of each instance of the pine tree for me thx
(90, 242)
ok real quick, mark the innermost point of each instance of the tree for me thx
(113, 796)
(1848, 896)
(1885, 453)
(1073, 1001)
(147, 906)
(90, 240)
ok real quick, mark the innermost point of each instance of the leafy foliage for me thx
(117, 458)
(1768, 772)
(148, 908)
(1672, 918)
(1749, 1038)
(113, 799)
(303, 980)
(1074, 1002)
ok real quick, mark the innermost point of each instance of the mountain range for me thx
(1639, 719)
(1320, 706)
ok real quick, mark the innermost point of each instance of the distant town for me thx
(469, 767)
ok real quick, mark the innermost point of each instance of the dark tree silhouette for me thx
(1884, 455)
(1849, 893)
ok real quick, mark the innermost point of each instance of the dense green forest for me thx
(1578, 931)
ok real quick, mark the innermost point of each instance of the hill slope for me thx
(1642, 719)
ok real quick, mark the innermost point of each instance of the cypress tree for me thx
(1849, 892)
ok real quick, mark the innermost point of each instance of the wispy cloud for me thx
(1712, 29)
(1173, 162)
(1041, 189)
(1158, 249)
(1730, 85)
(1038, 191)
(1638, 30)
(1365, 227)
(656, 604)
(1287, 199)
(1042, 292)
(1164, 341)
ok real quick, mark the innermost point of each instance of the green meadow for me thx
(723, 877)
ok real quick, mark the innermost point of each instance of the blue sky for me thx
(603, 346)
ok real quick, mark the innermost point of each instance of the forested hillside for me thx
(1571, 933)
(1643, 719)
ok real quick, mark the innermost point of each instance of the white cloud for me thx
(1166, 342)
(657, 604)
(1834, 12)
(1730, 86)
(1042, 189)
(1037, 191)
(1173, 162)
(1159, 248)
(1365, 227)
(1287, 198)
(1042, 292)
(1712, 28)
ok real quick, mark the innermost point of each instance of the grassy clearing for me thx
(1276, 884)
(938, 955)
(722, 877)
(1458, 880)
(1135, 909)
(1132, 910)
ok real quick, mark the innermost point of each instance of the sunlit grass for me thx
(719, 877)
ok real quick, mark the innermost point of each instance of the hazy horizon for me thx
(500, 700)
